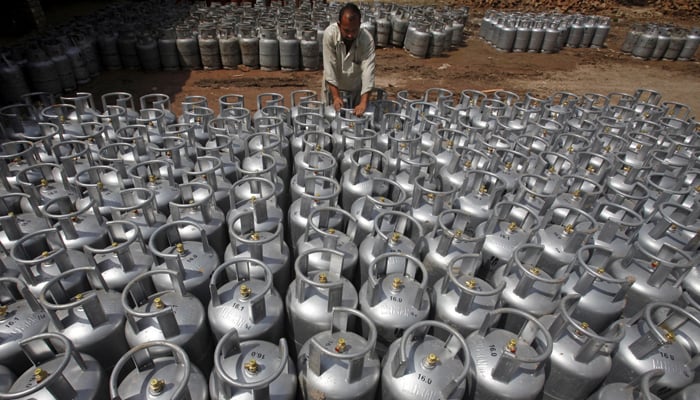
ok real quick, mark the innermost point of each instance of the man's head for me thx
(349, 19)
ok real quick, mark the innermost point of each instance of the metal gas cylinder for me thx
(222, 147)
(289, 49)
(22, 317)
(187, 47)
(198, 207)
(510, 225)
(167, 49)
(250, 46)
(464, 159)
(421, 365)
(157, 175)
(365, 165)
(266, 246)
(477, 196)
(77, 227)
(265, 165)
(319, 191)
(183, 247)
(170, 314)
(340, 363)
(14, 223)
(462, 300)
(229, 47)
(315, 291)
(59, 371)
(243, 298)
(618, 225)
(310, 59)
(44, 182)
(73, 156)
(528, 288)
(252, 370)
(100, 185)
(451, 237)
(138, 206)
(394, 296)
(658, 275)
(649, 344)
(430, 196)
(93, 319)
(385, 195)
(692, 42)
(603, 297)
(209, 46)
(311, 163)
(671, 224)
(580, 358)
(563, 231)
(637, 389)
(42, 255)
(208, 170)
(341, 236)
(160, 101)
(157, 369)
(124, 258)
(508, 363)
(147, 52)
(269, 50)
(254, 194)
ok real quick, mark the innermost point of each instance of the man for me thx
(348, 60)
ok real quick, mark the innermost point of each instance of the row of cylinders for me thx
(670, 119)
(545, 33)
(661, 42)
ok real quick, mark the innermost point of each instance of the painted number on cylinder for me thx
(396, 299)
(258, 355)
(425, 379)
(492, 350)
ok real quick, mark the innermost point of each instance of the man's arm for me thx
(329, 70)
(368, 66)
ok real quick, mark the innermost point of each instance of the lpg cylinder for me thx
(263, 165)
(228, 47)
(93, 319)
(124, 258)
(250, 46)
(42, 255)
(198, 207)
(21, 317)
(223, 148)
(269, 50)
(649, 344)
(138, 207)
(314, 293)
(319, 234)
(289, 48)
(170, 314)
(157, 175)
(563, 231)
(187, 48)
(101, 185)
(59, 371)
(257, 195)
(14, 223)
(209, 170)
(508, 363)
(319, 191)
(510, 225)
(365, 165)
(618, 225)
(167, 49)
(430, 196)
(692, 42)
(309, 45)
(340, 363)
(603, 297)
(451, 238)
(266, 246)
(477, 196)
(147, 52)
(243, 298)
(252, 369)
(580, 358)
(637, 389)
(385, 195)
(394, 296)
(421, 365)
(157, 369)
(657, 275)
(160, 101)
(463, 300)
(77, 227)
(528, 288)
(183, 247)
(209, 46)
(311, 163)
(670, 224)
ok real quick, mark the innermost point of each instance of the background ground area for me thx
(476, 65)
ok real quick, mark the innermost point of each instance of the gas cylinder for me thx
(430, 196)
(451, 238)
(340, 236)
(183, 246)
(124, 258)
(319, 191)
(670, 224)
(92, 319)
(157, 369)
(618, 225)
(602, 295)
(209, 46)
(250, 46)
(226, 149)
(314, 293)
(649, 344)
(151, 315)
(254, 194)
(580, 358)
(385, 194)
(462, 300)
(77, 227)
(209, 170)
(59, 371)
(421, 365)
(167, 49)
(269, 50)
(101, 185)
(228, 47)
(529, 288)
(310, 58)
(187, 48)
(160, 101)
(394, 296)
(243, 298)
(289, 48)
(147, 52)
(138, 207)
(252, 369)
(264, 165)
(157, 175)
(22, 317)
(311, 163)
(126, 45)
(692, 42)
(508, 363)
(14, 223)
(340, 363)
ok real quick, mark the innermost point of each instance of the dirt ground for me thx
(476, 65)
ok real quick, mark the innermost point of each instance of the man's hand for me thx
(360, 109)
(337, 103)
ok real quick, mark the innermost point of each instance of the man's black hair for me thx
(351, 8)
